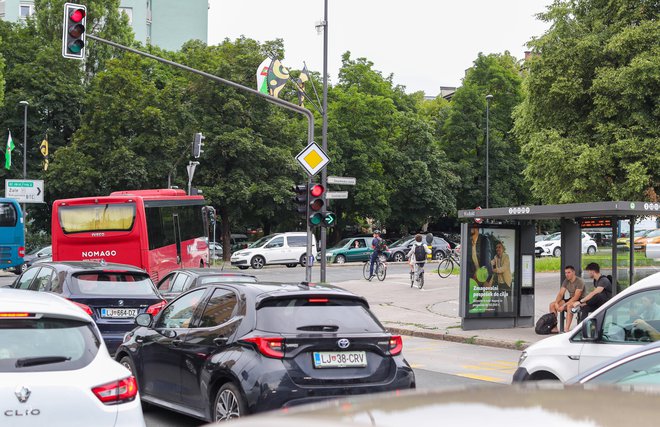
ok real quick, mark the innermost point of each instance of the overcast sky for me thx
(425, 43)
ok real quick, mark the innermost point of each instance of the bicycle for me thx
(417, 275)
(446, 265)
(380, 269)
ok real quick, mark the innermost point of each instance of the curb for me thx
(458, 338)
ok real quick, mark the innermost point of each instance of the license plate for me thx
(340, 359)
(119, 313)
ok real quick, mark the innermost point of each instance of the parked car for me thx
(220, 352)
(653, 251)
(34, 256)
(639, 366)
(552, 245)
(350, 250)
(55, 368)
(400, 248)
(651, 238)
(608, 332)
(112, 294)
(283, 248)
(180, 281)
(602, 238)
(215, 251)
(626, 240)
(541, 405)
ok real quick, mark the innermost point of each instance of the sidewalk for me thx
(433, 311)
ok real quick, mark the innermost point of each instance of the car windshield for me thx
(112, 283)
(259, 243)
(39, 344)
(299, 314)
(227, 279)
(341, 244)
(401, 242)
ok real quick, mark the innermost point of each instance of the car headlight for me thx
(523, 356)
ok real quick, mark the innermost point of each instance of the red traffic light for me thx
(77, 15)
(316, 190)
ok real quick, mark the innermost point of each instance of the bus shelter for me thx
(497, 280)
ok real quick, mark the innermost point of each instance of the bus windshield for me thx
(98, 217)
(8, 215)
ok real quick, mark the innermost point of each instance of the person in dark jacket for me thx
(600, 295)
(479, 268)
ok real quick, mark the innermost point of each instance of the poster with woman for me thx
(491, 272)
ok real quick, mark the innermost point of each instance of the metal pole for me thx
(631, 255)
(25, 140)
(488, 98)
(308, 253)
(324, 142)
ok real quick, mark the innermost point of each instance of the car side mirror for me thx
(590, 330)
(40, 255)
(144, 320)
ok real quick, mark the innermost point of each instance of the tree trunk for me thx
(226, 234)
(267, 227)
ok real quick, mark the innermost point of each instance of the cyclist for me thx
(418, 252)
(378, 245)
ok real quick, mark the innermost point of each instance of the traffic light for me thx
(300, 199)
(197, 145)
(73, 31)
(316, 204)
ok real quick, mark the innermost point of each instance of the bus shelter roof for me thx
(572, 210)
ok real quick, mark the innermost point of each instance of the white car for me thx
(55, 369)
(289, 249)
(610, 331)
(551, 246)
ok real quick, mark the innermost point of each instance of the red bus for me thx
(157, 230)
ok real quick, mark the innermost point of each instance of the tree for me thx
(589, 121)
(463, 134)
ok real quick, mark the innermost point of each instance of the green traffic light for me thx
(330, 218)
(316, 219)
(76, 46)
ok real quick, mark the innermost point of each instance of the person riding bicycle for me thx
(379, 246)
(418, 252)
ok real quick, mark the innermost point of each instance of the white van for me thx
(282, 248)
(610, 331)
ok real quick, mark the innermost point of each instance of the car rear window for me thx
(300, 315)
(40, 344)
(112, 283)
(227, 279)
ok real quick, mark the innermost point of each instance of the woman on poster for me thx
(502, 278)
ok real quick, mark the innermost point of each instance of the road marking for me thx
(483, 378)
(417, 366)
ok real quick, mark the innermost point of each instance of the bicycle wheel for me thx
(365, 270)
(381, 272)
(420, 281)
(445, 268)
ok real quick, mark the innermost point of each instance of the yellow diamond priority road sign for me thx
(313, 159)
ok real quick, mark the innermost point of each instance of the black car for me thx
(223, 351)
(399, 249)
(180, 281)
(113, 294)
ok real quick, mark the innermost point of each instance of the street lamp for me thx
(488, 98)
(25, 105)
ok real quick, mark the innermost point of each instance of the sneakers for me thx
(371, 277)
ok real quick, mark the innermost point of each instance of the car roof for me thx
(17, 300)
(91, 266)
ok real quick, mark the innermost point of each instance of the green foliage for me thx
(589, 122)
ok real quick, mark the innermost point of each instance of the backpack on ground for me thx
(420, 253)
(545, 324)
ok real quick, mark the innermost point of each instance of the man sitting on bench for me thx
(570, 292)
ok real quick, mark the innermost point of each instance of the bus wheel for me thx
(258, 262)
(201, 264)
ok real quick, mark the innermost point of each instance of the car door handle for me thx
(573, 357)
(220, 341)
(176, 343)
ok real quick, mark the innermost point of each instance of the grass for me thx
(547, 264)
(520, 344)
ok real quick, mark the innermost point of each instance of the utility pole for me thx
(25, 114)
(324, 142)
(488, 98)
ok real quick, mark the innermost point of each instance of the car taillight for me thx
(156, 308)
(117, 391)
(21, 251)
(396, 345)
(12, 314)
(269, 347)
(318, 300)
(85, 308)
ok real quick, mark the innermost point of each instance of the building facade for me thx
(165, 23)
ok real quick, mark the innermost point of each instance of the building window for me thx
(2, 8)
(129, 12)
(25, 10)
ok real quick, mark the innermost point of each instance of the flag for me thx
(278, 75)
(262, 75)
(304, 77)
(44, 147)
(10, 148)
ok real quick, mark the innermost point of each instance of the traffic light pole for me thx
(324, 141)
(273, 100)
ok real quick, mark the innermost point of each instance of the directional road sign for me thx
(336, 195)
(313, 159)
(342, 180)
(25, 190)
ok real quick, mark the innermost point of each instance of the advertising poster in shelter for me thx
(491, 275)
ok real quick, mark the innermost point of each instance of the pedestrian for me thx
(570, 291)
(378, 246)
(600, 295)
